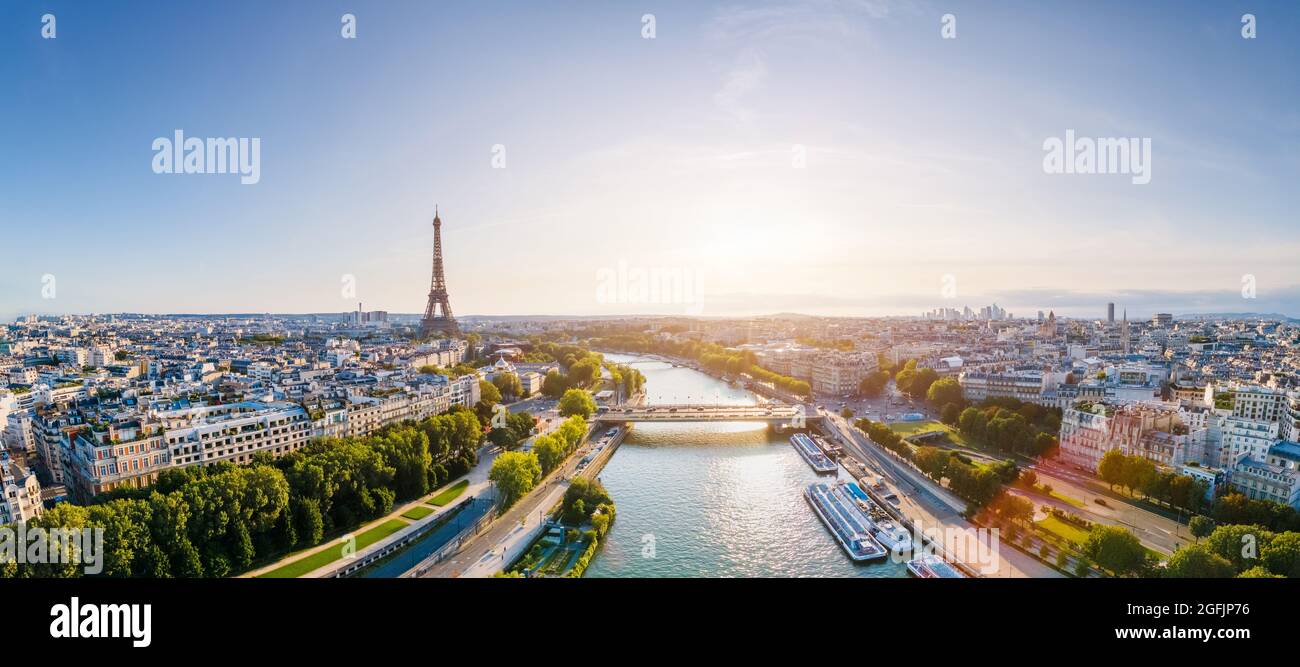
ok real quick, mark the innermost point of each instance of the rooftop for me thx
(1287, 450)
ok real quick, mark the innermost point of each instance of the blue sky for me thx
(922, 156)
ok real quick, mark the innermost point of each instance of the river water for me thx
(714, 499)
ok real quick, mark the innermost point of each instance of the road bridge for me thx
(796, 415)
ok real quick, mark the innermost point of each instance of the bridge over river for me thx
(796, 415)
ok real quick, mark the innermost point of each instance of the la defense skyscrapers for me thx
(437, 314)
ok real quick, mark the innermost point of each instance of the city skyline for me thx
(920, 158)
(874, 291)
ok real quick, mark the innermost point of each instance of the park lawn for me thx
(418, 512)
(908, 429)
(1068, 531)
(450, 493)
(326, 556)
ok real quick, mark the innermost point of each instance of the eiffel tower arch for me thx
(437, 315)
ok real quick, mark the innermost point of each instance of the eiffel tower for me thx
(433, 322)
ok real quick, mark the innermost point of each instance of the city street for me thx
(1156, 531)
(891, 405)
(490, 551)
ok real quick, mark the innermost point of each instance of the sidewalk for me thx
(516, 542)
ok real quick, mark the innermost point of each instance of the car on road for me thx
(1100, 501)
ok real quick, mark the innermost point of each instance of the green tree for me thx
(1013, 509)
(1115, 549)
(514, 474)
(591, 493)
(1241, 545)
(309, 526)
(488, 393)
(505, 438)
(584, 372)
(600, 521)
(1043, 444)
(1282, 555)
(874, 383)
(921, 382)
(944, 391)
(1110, 469)
(1201, 526)
(522, 424)
(576, 514)
(508, 384)
(972, 422)
(1138, 473)
(577, 402)
(1197, 562)
(932, 461)
(550, 451)
(950, 414)
(554, 384)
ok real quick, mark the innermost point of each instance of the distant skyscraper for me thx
(1110, 313)
(1123, 333)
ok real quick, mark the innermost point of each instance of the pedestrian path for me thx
(374, 534)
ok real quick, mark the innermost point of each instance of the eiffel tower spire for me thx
(434, 322)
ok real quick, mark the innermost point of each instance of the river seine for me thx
(714, 499)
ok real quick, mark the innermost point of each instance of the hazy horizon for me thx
(1026, 315)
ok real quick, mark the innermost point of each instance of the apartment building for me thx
(1192, 393)
(18, 433)
(20, 492)
(531, 383)
(1274, 476)
(1242, 437)
(837, 373)
(1084, 437)
(101, 457)
(1289, 424)
(1258, 403)
(1156, 433)
(49, 428)
(1026, 386)
(233, 432)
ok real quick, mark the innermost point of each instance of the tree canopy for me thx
(514, 474)
(221, 519)
(577, 402)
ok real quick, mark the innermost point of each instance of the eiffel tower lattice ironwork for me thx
(435, 322)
